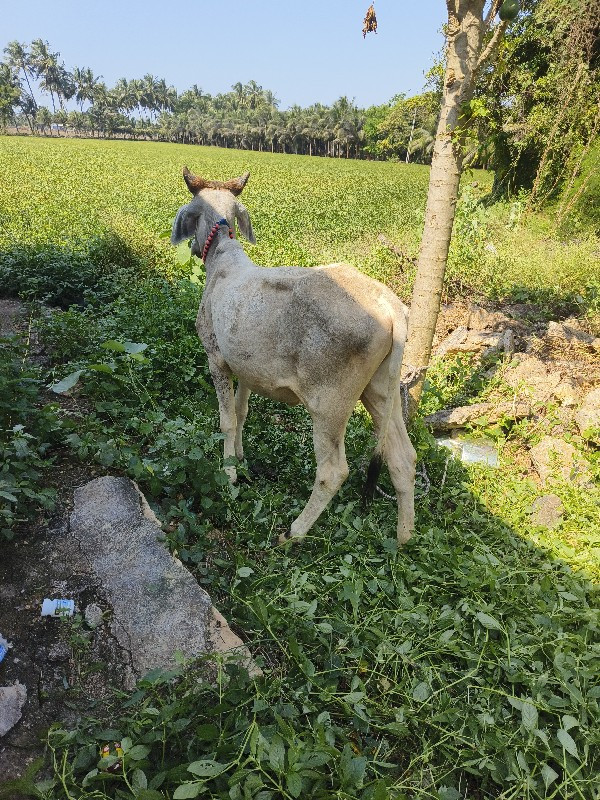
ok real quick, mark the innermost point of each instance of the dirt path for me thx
(67, 667)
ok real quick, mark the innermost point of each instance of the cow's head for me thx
(213, 200)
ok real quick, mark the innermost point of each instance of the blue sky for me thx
(305, 51)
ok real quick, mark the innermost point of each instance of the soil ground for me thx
(68, 669)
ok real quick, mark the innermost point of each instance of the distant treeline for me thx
(246, 117)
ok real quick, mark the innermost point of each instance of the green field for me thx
(69, 193)
(463, 666)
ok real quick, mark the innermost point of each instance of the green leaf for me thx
(294, 784)
(89, 777)
(245, 572)
(569, 722)
(134, 347)
(567, 742)
(488, 622)
(68, 382)
(187, 790)
(102, 367)
(529, 715)
(206, 768)
(112, 344)
(138, 752)
(150, 794)
(421, 692)
(138, 780)
(277, 753)
(548, 775)
(324, 627)
(352, 768)
(8, 496)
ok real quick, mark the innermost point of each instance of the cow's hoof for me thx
(287, 536)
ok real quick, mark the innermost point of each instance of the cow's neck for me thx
(225, 253)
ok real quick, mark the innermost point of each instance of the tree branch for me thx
(494, 8)
(492, 45)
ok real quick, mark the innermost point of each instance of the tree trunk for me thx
(465, 32)
(412, 130)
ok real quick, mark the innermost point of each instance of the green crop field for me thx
(70, 193)
(464, 665)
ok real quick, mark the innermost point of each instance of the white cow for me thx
(325, 337)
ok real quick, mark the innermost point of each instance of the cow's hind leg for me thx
(332, 471)
(241, 412)
(398, 452)
(223, 383)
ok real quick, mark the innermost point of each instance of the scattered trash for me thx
(12, 700)
(4, 645)
(115, 763)
(471, 451)
(58, 608)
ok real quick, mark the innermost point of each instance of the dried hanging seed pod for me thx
(370, 21)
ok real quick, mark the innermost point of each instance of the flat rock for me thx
(159, 609)
(449, 419)
(463, 340)
(480, 319)
(570, 331)
(12, 700)
(588, 416)
(547, 511)
(554, 457)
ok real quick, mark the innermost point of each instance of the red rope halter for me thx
(212, 234)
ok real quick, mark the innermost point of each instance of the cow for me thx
(325, 337)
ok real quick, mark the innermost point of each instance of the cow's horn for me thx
(236, 185)
(195, 184)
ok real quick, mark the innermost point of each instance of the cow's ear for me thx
(185, 223)
(243, 221)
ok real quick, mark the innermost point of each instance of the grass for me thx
(464, 665)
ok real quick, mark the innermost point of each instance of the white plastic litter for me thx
(58, 608)
(470, 451)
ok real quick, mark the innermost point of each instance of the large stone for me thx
(463, 340)
(570, 331)
(530, 377)
(554, 457)
(12, 700)
(547, 511)
(480, 319)
(159, 608)
(588, 416)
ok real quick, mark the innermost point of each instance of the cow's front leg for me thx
(223, 383)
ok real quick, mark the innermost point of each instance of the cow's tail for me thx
(399, 329)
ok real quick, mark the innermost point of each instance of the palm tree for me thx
(85, 83)
(148, 96)
(10, 92)
(18, 58)
(46, 67)
(29, 107)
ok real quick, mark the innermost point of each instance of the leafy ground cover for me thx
(464, 665)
